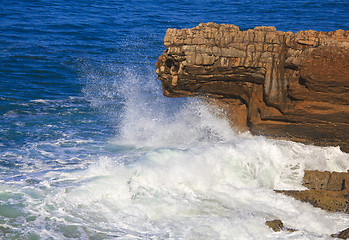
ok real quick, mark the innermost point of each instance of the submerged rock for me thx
(280, 84)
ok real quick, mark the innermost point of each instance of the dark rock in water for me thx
(276, 225)
(281, 84)
(343, 234)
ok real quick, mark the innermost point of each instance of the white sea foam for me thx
(43, 101)
(211, 191)
(176, 173)
(150, 121)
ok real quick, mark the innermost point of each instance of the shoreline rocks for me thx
(328, 191)
(277, 225)
(285, 85)
(330, 201)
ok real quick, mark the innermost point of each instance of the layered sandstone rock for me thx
(327, 190)
(280, 84)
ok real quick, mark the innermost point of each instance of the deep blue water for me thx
(78, 83)
(48, 48)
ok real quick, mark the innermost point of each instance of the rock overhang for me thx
(280, 84)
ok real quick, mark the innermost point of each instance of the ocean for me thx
(91, 149)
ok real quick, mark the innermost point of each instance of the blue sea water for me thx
(90, 149)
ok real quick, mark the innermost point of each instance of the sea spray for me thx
(189, 163)
(149, 119)
(203, 190)
(192, 176)
(173, 170)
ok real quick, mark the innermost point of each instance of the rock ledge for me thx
(281, 84)
(327, 190)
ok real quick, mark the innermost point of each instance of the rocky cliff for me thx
(280, 84)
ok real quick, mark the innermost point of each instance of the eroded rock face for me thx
(332, 181)
(327, 190)
(280, 84)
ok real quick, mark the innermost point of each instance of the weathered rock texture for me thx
(332, 181)
(329, 191)
(280, 84)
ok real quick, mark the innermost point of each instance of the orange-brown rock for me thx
(332, 181)
(316, 179)
(328, 191)
(338, 181)
(330, 201)
(280, 84)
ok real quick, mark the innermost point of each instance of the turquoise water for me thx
(90, 149)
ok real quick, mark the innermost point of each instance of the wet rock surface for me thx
(331, 201)
(327, 190)
(280, 84)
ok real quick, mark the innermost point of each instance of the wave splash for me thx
(154, 121)
(176, 170)
(201, 192)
